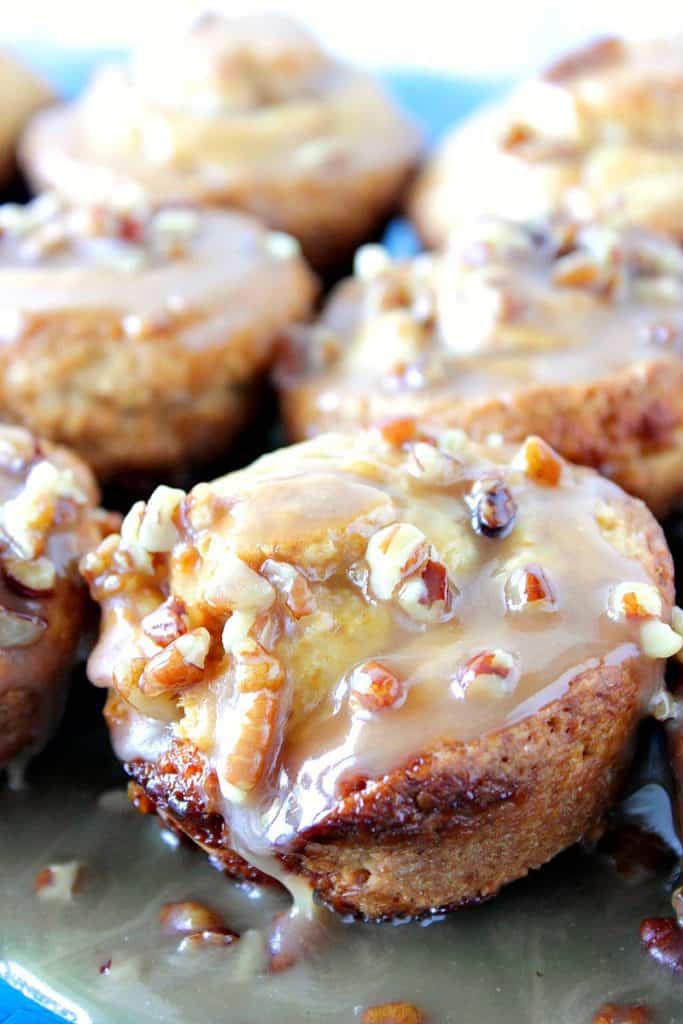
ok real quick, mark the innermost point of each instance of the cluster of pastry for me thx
(404, 661)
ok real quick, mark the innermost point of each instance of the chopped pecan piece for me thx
(196, 941)
(394, 553)
(540, 463)
(528, 588)
(394, 1013)
(292, 584)
(30, 577)
(663, 939)
(399, 431)
(375, 688)
(489, 674)
(59, 882)
(633, 1013)
(189, 916)
(492, 507)
(167, 622)
(18, 630)
(178, 666)
(634, 601)
(427, 596)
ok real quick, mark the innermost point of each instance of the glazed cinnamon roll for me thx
(139, 337)
(599, 135)
(247, 112)
(399, 665)
(21, 94)
(48, 520)
(572, 332)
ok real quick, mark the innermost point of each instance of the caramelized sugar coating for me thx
(573, 332)
(405, 666)
(598, 136)
(48, 520)
(139, 337)
(245, 112)
(22, 94)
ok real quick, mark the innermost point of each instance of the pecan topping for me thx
(428, 595)
(30, 577)
(633, 1013)
(167, 622)
(59, 882)
(259, 681)
(634, 601)
(397, 432)
(394, 553)
(528, 588)
(178, 666)
(292, 584)
(487, 674)
(393, 1013)
(430, 465)
(247, 759)
(206, 939)
(540, 463)
(18, 630)
(492, 508)
(189, 916)
(516, 135)
(375, 688)
(663, 939)
(157, 530)
(657, 640)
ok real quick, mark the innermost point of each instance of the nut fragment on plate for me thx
(188, 916)
(365, 680)
(59, 882)
(394, 1013)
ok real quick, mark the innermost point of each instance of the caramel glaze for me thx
(350, 644)
(37, 647)
(570, 332)
(139, 337)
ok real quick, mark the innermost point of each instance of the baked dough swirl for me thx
(247, 112)
(599, 135)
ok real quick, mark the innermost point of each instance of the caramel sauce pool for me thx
(523, 957)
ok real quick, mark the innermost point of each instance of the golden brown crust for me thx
(250, 113)
(479, 806)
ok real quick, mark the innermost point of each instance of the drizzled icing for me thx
(125, 257)
(404, 634)
(507, 310)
